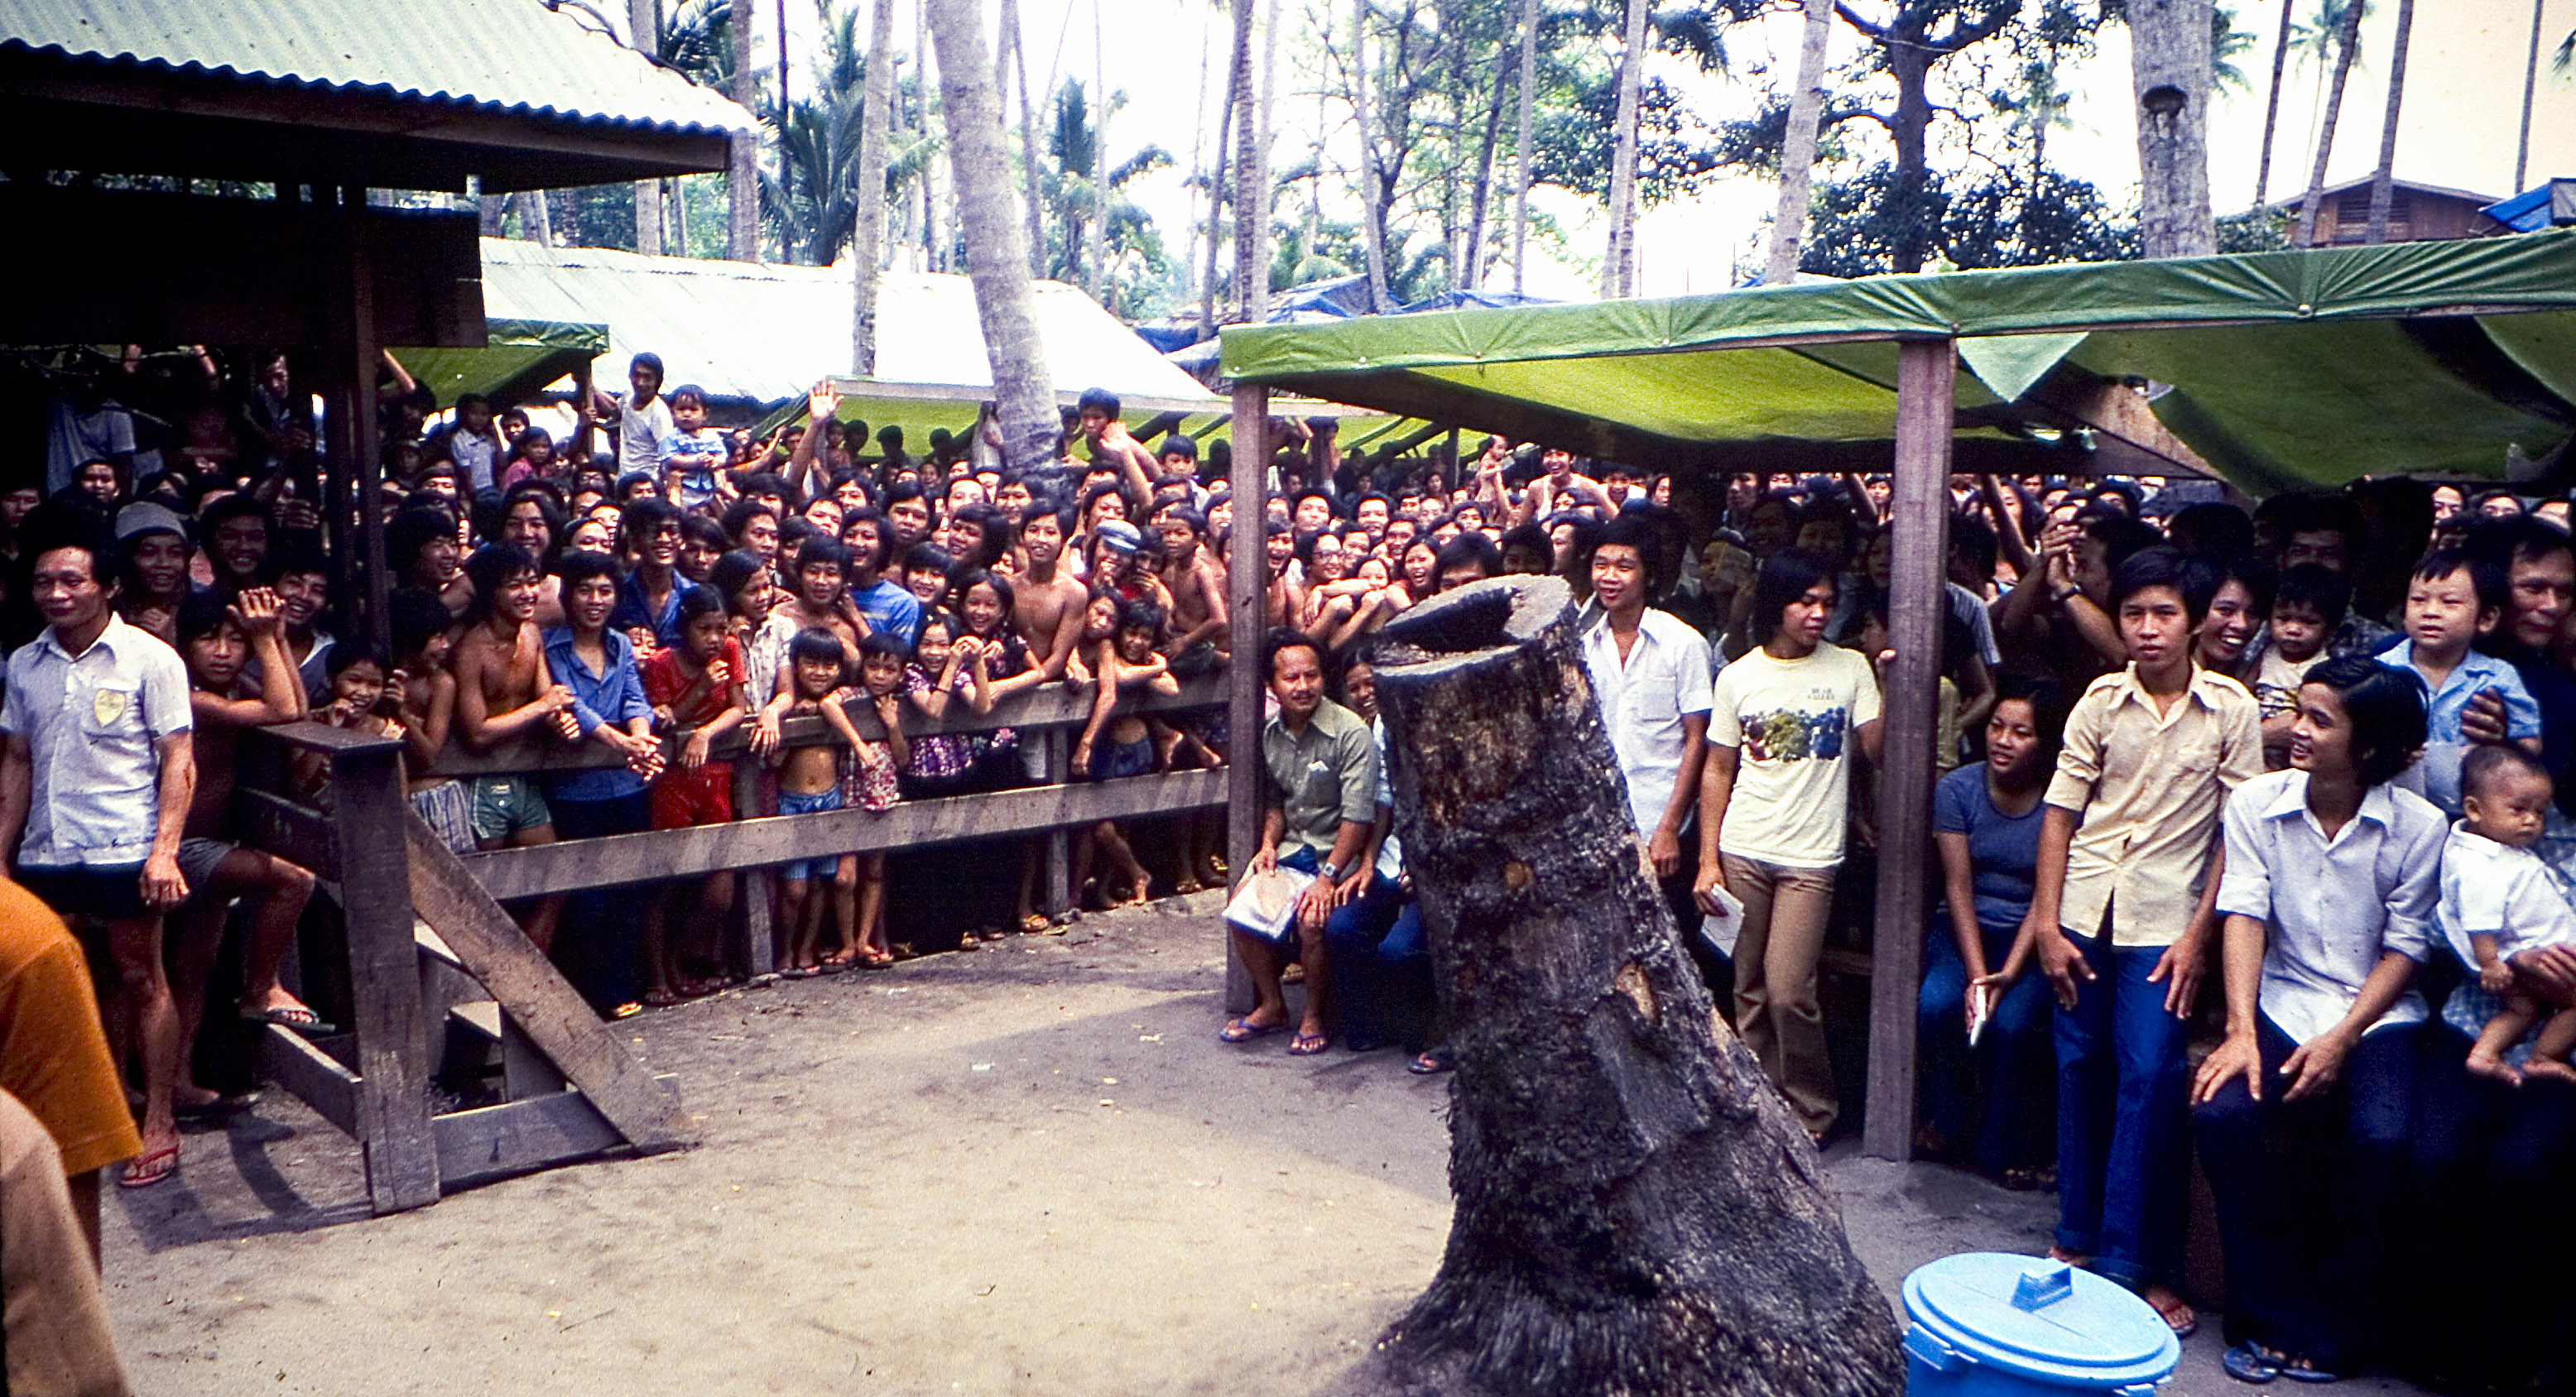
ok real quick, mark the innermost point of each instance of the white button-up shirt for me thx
(2332, 906)
(1667, 676)
(90, 721)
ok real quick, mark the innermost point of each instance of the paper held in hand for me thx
(1720, 928)
(1266, 904)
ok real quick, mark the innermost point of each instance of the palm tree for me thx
(742, 169)
(1521, 150)
(2170, 43)
(1798, 149)
(868, 189)
(2383, 180)
(2530, 81)
(1023, 390)
(2347, 44)
(644, 24)
(1251, 200)
(1618, 273)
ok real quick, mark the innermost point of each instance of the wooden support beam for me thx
(616, 860)
(517, 1137)
(1247, 577)
(757, 955)
(317, 1079)
(1927, 373)
(384, 976)
(1058, 753)
(534, 994)
(298, 833)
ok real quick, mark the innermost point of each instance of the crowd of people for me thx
(2253, 825)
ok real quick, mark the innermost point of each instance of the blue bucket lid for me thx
(2040, 1319)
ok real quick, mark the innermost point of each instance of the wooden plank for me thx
(322, 737)
(384, 978)
(316, 1078)
(535, 995)
(618, 859)
(495, 1142)
(297, 833)
(1927, 373)
(1058, 750)
(1245, 600)
(1047, 705)
(758, 952)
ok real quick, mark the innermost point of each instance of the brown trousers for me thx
(1776, 1014)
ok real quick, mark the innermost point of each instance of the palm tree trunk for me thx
(1198, 157)
(675, 199)
(742, 168)
(488, 214)
(1798, 148)
(2272, 104)
(536, 220)
(1217, 184)
(1251, 201)
(1521, 148)
(1261, 148)
(1481, 198)
(1618, 272)
(2383, 180)
(1023, 390)
(2169, 64)
(2345, 46)
(2530, 80)
(1372, 209)
(644, 27)
(867, 191)
(1028, 136)
(1096, 275)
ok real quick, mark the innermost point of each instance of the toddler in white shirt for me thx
(2498, 893)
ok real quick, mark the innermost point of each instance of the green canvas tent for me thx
(520, 358)
(2280, 369)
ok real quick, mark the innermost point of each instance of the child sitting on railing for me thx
(694, 686)
(870, 781)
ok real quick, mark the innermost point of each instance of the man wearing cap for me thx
(1122, 566)
(97, 774)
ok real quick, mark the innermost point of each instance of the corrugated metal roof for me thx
(516, 56)
(764, 333)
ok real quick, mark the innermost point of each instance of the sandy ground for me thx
(1025, 1169)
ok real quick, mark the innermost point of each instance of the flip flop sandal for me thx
(1432, 1061)
(141, 1171)
(1308, 1045)
(2251, 1363)
(1244, 1031)
(2302, 1370)
(303, 1021)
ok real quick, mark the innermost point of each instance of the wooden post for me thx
(1926, 376)
(1247, 603)
(362, 354)
(581, 401)
(384, 976)
(1057, 750)
(758, 954)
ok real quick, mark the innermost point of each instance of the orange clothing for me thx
(53, 1054)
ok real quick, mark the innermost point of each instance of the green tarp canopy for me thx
(519, 360)
(2280, 369)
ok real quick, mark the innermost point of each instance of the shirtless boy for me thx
(1197, 588)
(503, 691)
(218, 642)
(1047, 604)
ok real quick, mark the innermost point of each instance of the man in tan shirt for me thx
(2122, 918)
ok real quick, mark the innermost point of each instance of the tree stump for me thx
(1637, 1208)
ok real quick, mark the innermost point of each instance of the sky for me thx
(2464, 85)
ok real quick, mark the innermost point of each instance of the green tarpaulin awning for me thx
(519, 360)
(2279, 369)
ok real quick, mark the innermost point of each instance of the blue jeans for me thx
(2007, 1073)
(2304, 1191)
(2487, 1245)
(1381, 968)
(2123, 1130)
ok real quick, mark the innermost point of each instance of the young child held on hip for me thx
(2498, 893)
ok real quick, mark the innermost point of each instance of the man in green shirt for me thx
(1319, 786)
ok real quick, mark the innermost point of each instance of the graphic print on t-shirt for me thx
(1794, 735)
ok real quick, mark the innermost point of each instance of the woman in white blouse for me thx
(2301, 1114)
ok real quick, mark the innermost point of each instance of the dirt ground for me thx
(1024, 1169)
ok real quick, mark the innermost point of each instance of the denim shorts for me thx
(790, 803)
(505, 805)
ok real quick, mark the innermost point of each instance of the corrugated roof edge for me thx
(133, 60)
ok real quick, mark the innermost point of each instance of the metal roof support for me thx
(1926, 380)
(1247, 611)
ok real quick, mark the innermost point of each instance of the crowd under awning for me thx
(2278, 369)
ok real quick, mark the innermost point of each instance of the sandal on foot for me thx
(218, 1108)
(294, 1016)
(1034, 924)
(1308, 1044)
(2305, 1370)
(2251, 1363)
(1431, 1061)
(1244, 1030)
(145, 1170)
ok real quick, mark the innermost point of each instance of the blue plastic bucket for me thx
(1989, 1324)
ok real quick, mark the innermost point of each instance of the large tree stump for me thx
(1637, 1209)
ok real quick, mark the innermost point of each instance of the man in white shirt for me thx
(643, 419)
(1651, 674)
(97, 774)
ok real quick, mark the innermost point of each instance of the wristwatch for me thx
(1332, 873)
(2061, 594)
